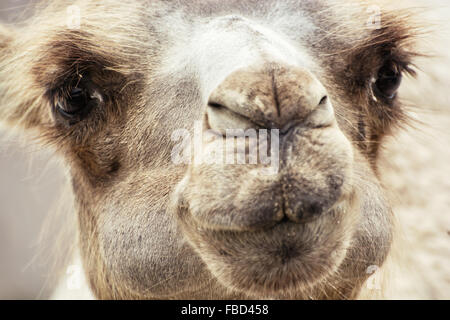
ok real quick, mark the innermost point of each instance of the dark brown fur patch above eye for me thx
(67, 56)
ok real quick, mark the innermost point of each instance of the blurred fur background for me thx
(416, 167)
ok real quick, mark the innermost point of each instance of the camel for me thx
(119, 89)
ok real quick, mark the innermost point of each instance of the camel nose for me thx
(272, 97)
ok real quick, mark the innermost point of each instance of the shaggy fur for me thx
(136, 210)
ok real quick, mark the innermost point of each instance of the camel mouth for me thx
(273, 234)
(276, 261)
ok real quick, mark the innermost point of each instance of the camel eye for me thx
(388, 80)
(77, 105)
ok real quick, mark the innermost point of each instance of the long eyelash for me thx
(403, 62)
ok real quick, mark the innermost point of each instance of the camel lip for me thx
(283, 257)
(294, 265)
(281, 220)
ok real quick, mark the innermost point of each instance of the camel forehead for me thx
(212, 38)
(221, 45)
(300, 19)
(234, 26)
(254, 19)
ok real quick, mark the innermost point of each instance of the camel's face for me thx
(271, 227)
(304, 218)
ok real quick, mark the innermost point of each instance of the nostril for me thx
(215, 105)
(323, 101)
